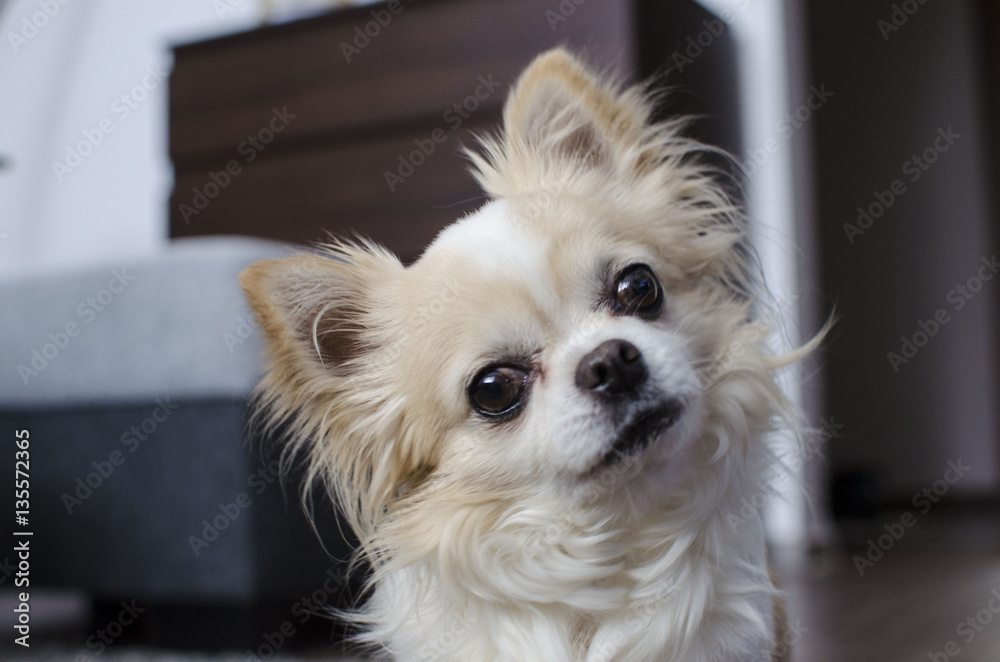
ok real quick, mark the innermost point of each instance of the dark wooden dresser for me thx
(351, 122)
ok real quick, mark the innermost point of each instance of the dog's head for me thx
(570, 337)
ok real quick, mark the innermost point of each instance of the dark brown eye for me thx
(637, 292)
(497, 390)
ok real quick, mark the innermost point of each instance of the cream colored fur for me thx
(511, 541)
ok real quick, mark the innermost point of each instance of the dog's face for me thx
(552, 346)
(557, 339)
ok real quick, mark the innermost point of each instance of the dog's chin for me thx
(646, 427)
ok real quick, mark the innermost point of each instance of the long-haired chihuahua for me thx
(538, 429)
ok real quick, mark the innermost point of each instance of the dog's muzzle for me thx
(615, 372)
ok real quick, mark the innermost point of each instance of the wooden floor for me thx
(927, 596)
(929, 593)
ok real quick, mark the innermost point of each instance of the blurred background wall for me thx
(909, 139)
(61, 81)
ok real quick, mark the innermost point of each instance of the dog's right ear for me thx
(313, 309)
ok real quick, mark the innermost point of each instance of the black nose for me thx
(613, 368)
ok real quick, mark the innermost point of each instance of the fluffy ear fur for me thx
(567, 130)
(558, 106)
(561, 121)
(324, 318)
(311, 309)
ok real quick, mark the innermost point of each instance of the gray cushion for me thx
(170, 324)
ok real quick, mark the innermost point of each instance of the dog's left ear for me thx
(559, 109)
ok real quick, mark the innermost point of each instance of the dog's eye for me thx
(638, 291)
(497, 390)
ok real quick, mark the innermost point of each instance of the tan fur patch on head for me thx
(571, 136)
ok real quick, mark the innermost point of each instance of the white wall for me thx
(63, 80)
(771, 160)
